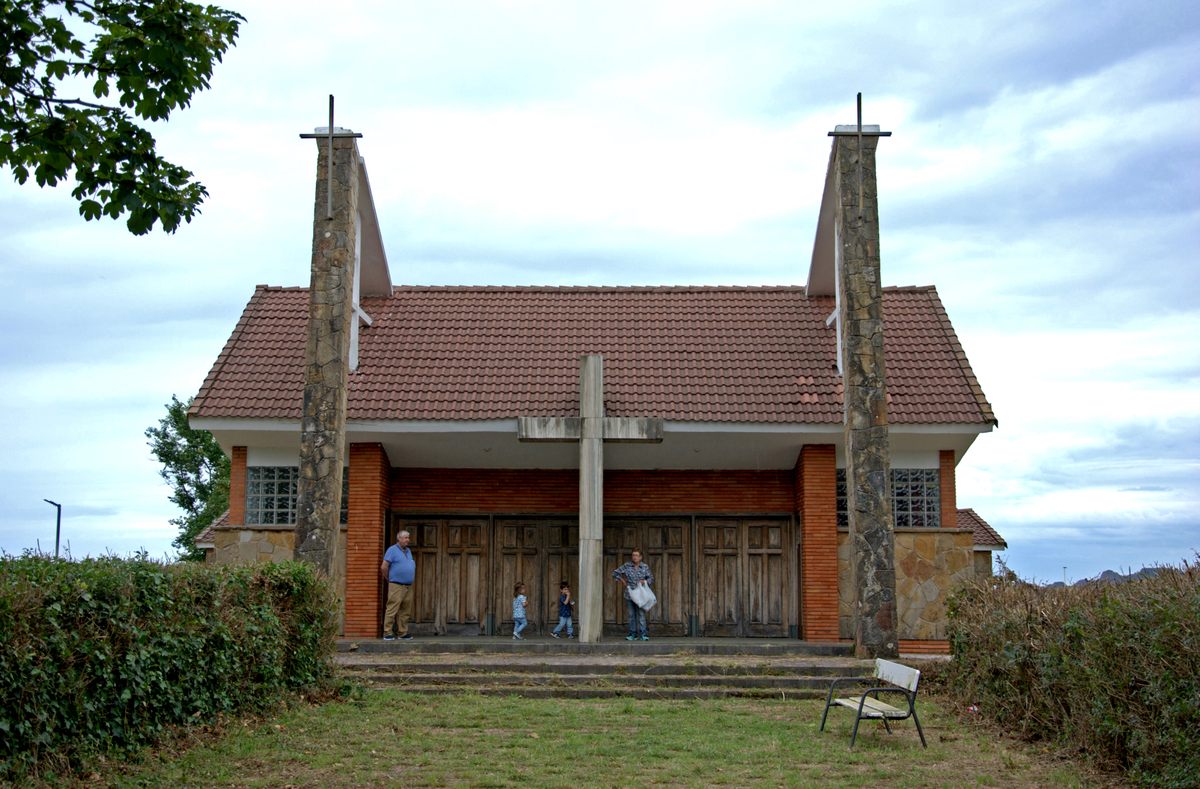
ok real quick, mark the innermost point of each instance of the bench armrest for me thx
(840, 680)
(891, 689)
(910, 697)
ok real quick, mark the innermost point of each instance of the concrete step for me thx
(611, 646)
(600, 692)
(715, 671)
(597, 674)
(603, 679)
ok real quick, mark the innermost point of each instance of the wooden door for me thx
(719, 579)
(425, 536)
(742, 581)
(664, 545)
(450, 589)
(518, 557)
(766, 610)
(463, 576)
(561, 551)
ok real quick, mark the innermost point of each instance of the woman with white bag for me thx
(636, 579)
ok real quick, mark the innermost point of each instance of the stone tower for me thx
(868, 464)
(331, 312)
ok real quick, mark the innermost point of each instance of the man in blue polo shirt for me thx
(398, 569)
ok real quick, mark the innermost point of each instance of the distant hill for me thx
(1114, 577)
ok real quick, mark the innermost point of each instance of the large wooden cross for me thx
(591, 429)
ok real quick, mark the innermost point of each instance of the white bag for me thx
(643, 596)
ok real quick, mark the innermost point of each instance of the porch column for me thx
(816, 488)
(369, 473)
(591, 498)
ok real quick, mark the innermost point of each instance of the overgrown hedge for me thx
(1110, 669)
(108, 654)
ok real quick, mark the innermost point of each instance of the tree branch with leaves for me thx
(139, 59)
(196, 468)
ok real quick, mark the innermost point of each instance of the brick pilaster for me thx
(816, 493)
(237, 487)
(949, 508)
(369, 495)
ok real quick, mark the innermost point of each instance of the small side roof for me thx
(985, 536)
(205, 538)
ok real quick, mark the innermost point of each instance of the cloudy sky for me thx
(1043, 173)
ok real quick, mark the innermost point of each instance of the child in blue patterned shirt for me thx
(519, 620)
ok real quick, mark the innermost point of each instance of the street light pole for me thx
(57, 525)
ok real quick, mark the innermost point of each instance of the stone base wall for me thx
(246, 546)
(983, 564)
(929, 563)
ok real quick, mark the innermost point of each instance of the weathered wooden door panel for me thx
(742, 581)
(450, 589)
(464, 573)
(518, 558)
(719, 581)
(766, 578)
(664, 544)
(620, 538)
(562, 564)
(666, 552)
(424, 544)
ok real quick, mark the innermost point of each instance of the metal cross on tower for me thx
(330, 132)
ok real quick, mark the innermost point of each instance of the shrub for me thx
(1110, 669)
(106, 655)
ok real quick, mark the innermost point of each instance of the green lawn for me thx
(403, 739)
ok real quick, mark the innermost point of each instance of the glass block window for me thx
(916, 498)
(843, 509)
(271, 494)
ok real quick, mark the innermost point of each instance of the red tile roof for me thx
(708, 354)
(985, 535)
(206, 536)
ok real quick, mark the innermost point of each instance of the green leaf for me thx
(156, 56)
(89, 209)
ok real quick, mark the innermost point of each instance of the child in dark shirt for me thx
(564, 611)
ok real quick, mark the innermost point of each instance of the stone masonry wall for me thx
(246, 546)
(929, 563)
(983, 564)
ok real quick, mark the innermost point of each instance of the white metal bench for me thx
(900, 679)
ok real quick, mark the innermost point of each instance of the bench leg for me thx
(917, 721)
(887, 725)
(854, 734)
(823, 717)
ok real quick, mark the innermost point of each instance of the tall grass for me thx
(1110, 669)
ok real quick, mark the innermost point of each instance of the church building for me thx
(512, 430)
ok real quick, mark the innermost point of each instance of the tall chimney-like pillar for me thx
(327, 355)
(868, 464)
